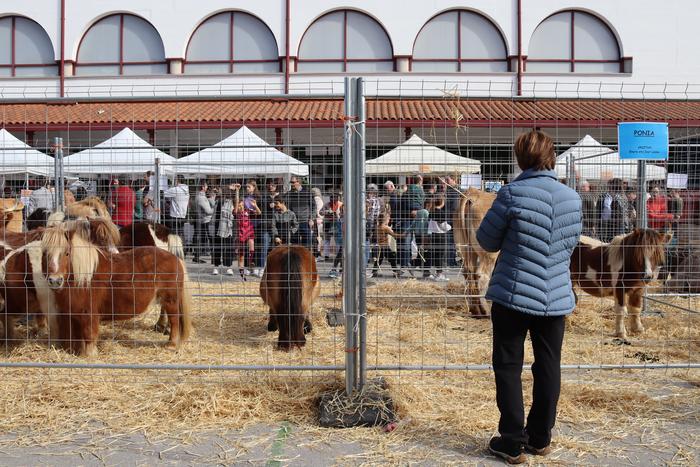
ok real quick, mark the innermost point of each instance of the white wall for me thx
(661, 38)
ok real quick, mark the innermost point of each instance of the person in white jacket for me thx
(204, 204)
(179, 198)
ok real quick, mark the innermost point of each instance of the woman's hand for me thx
(278, 241)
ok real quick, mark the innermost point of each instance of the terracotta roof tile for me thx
(188, 114)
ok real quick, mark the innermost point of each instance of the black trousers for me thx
(378, 255)
(547, 333)
(201, 239)
(435, 252)
(223, 252)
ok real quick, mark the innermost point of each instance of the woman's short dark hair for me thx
(535, 150)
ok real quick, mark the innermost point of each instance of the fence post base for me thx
(372, 406)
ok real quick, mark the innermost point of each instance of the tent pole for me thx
(156, 188)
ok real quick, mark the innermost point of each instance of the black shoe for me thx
(510, 454)
(538, 451)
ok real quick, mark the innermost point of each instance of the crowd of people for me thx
(408, 226)
(613, 210)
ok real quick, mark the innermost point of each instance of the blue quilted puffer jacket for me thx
(535, 223)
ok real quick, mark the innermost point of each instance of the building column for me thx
(68, 68)
(175, 66)
(403, 64)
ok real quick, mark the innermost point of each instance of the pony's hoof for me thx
(170, 346)
(91, 350)
(637, 330)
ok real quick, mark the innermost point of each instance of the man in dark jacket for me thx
(301, 203)
(284, 223)
(267, 206)
(453, 196)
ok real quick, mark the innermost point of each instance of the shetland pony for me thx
(90, 285)
(620, 269)
(38, 218)
(152, 234)
(289, 286)
(23, 286)
(477, 264)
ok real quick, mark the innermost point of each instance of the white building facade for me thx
(467, 76)
(72, 48)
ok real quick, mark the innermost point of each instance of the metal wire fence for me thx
(214, 172)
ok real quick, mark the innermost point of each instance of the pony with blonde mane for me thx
(23, 286)
(90, 285)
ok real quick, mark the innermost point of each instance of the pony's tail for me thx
(175, 246)
(291, 324)
(185, 308)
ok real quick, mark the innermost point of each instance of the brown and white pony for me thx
(620, 269)
(477, 264)
(152, 234)
(90, 285)
(23, 286)
(289, 287)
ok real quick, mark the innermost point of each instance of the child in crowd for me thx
(384, 234)
(245, 209)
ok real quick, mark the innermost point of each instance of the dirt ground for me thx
(146, 417)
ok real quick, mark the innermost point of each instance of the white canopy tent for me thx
(417, 156)
(18, 158)
(124, 153)
(593, 161)
(242, 153)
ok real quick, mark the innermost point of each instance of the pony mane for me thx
(97, 204)
(73, 237)
(639, 243)
(84, 258)
(55, 218)
(106, 231)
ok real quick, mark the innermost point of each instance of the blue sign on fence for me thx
(642, 140)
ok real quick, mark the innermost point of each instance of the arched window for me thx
(345, 41)
(573, 41)
(460, 41)
(121, 44)
(232, 42)
(25, 48)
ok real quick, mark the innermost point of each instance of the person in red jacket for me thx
(657, 212)
(122, 201)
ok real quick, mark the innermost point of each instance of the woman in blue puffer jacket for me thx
(534, 223)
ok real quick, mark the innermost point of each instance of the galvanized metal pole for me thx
(156, 188)
(350, 248)
(59, 203)
(570, 172)
(359, 156)
(642, 194)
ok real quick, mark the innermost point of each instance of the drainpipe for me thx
(520, 48)
(286, 55)
(61, 70)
